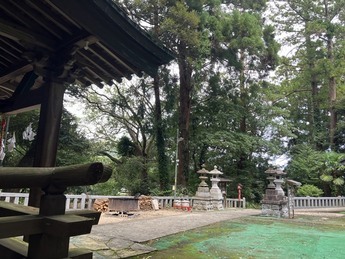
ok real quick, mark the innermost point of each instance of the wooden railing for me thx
(84, 201)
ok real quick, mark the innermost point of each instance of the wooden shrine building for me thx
(47, 45)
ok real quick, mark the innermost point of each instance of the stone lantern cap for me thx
(202, 170)
(274, 172)
(215, 171)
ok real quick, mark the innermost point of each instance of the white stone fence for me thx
(319, 202)
(84, 201)
(167, 201)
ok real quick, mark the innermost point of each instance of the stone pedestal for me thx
(274, 204)
(216, 195)
(275, 209)
(202, 199)
(215, 192)
(202, 204)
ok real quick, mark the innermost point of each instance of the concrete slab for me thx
(124, 239)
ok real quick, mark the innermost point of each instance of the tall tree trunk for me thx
(184, 115)
(332, 96)
(332, 91)
(243, 119)
(314, 106)
(160, 141)
(144, 178)
(243, 94)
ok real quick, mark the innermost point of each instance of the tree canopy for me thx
(252, 80)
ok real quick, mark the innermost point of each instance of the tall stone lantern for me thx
(274, 202)
(202, 199)
(216, 193)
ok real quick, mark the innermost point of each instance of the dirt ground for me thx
(107, 218)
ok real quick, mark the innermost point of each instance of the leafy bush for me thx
(309, 190)
(157, 192)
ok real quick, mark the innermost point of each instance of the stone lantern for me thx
(271, 177)
(216, 193)
(274, 202)
(202, 199)
(279, 181)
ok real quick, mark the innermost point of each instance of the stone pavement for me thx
(124, 239)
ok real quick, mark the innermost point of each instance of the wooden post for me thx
(45, 245)
(48, 131)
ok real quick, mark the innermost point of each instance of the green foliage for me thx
(74, 147)
(305, 164)
(157, 192)
(128, 175)
(111, 187)
(237, 119)
(180, 26)
(309, 166)
(125, 147)
(333, 171)
(309, 190)
(249, 5)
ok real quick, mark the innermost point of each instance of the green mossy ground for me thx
(258, 237)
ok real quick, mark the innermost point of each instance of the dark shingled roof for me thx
(83, 41)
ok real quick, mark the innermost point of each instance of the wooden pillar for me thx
(45, 245)
(48, 131)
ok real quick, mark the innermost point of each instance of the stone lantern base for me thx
(277, 209)
(202, 203)
(274, 204)
(217, 198)
(217, 204)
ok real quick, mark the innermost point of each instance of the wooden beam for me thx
(8, 75)
(117, 58)
(14, 46)
(91, 214)
(13, 226)
(50, 15)
(68, 18)
(36, 18)
(24, 102)
(13, 248)
(43, 177)
(67, 225)
(11, 209)
(19, 33)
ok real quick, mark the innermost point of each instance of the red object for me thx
(3, 123)
(239, 188)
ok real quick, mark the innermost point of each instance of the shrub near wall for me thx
(309, 190)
